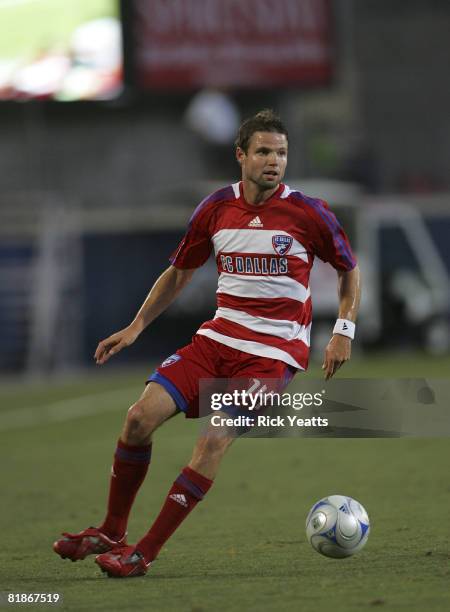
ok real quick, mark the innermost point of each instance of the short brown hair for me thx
(264, 121)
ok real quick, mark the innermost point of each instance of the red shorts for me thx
(205, 358)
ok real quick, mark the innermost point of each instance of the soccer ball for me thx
(337, 526)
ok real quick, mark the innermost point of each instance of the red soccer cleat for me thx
(91, 541)
(124, 562)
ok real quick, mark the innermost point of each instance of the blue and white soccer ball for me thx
(337, 526)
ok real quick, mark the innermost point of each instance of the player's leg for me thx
(131, 461)
(189, 488)
(210, 449)
(133, 454)
(180, 375)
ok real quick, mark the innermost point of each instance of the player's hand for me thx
(338, 351)
(115, 343)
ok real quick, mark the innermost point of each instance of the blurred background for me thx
(117, 118)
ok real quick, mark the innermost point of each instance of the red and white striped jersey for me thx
(264, 255)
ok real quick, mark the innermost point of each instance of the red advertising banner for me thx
(186, 44)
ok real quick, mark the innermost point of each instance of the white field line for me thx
(68, 409)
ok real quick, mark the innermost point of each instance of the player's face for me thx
(264, 164)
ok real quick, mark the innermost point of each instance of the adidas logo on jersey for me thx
(179, 498)
(256, 222)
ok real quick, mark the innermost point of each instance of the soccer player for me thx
(265, 238)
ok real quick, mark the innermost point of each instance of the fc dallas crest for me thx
(282, 244)
(172, 359)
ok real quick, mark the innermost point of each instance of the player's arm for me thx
(162, 294)
(192, 252)
(339, 348)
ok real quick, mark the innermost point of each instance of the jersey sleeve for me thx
(331, 244)
(195, 246)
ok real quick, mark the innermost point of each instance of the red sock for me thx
(187, 490)
(127, 474)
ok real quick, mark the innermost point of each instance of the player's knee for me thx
(140, 422)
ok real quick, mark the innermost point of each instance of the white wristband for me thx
(344, 327)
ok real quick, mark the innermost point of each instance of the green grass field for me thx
(244, 547)
(34, 25)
